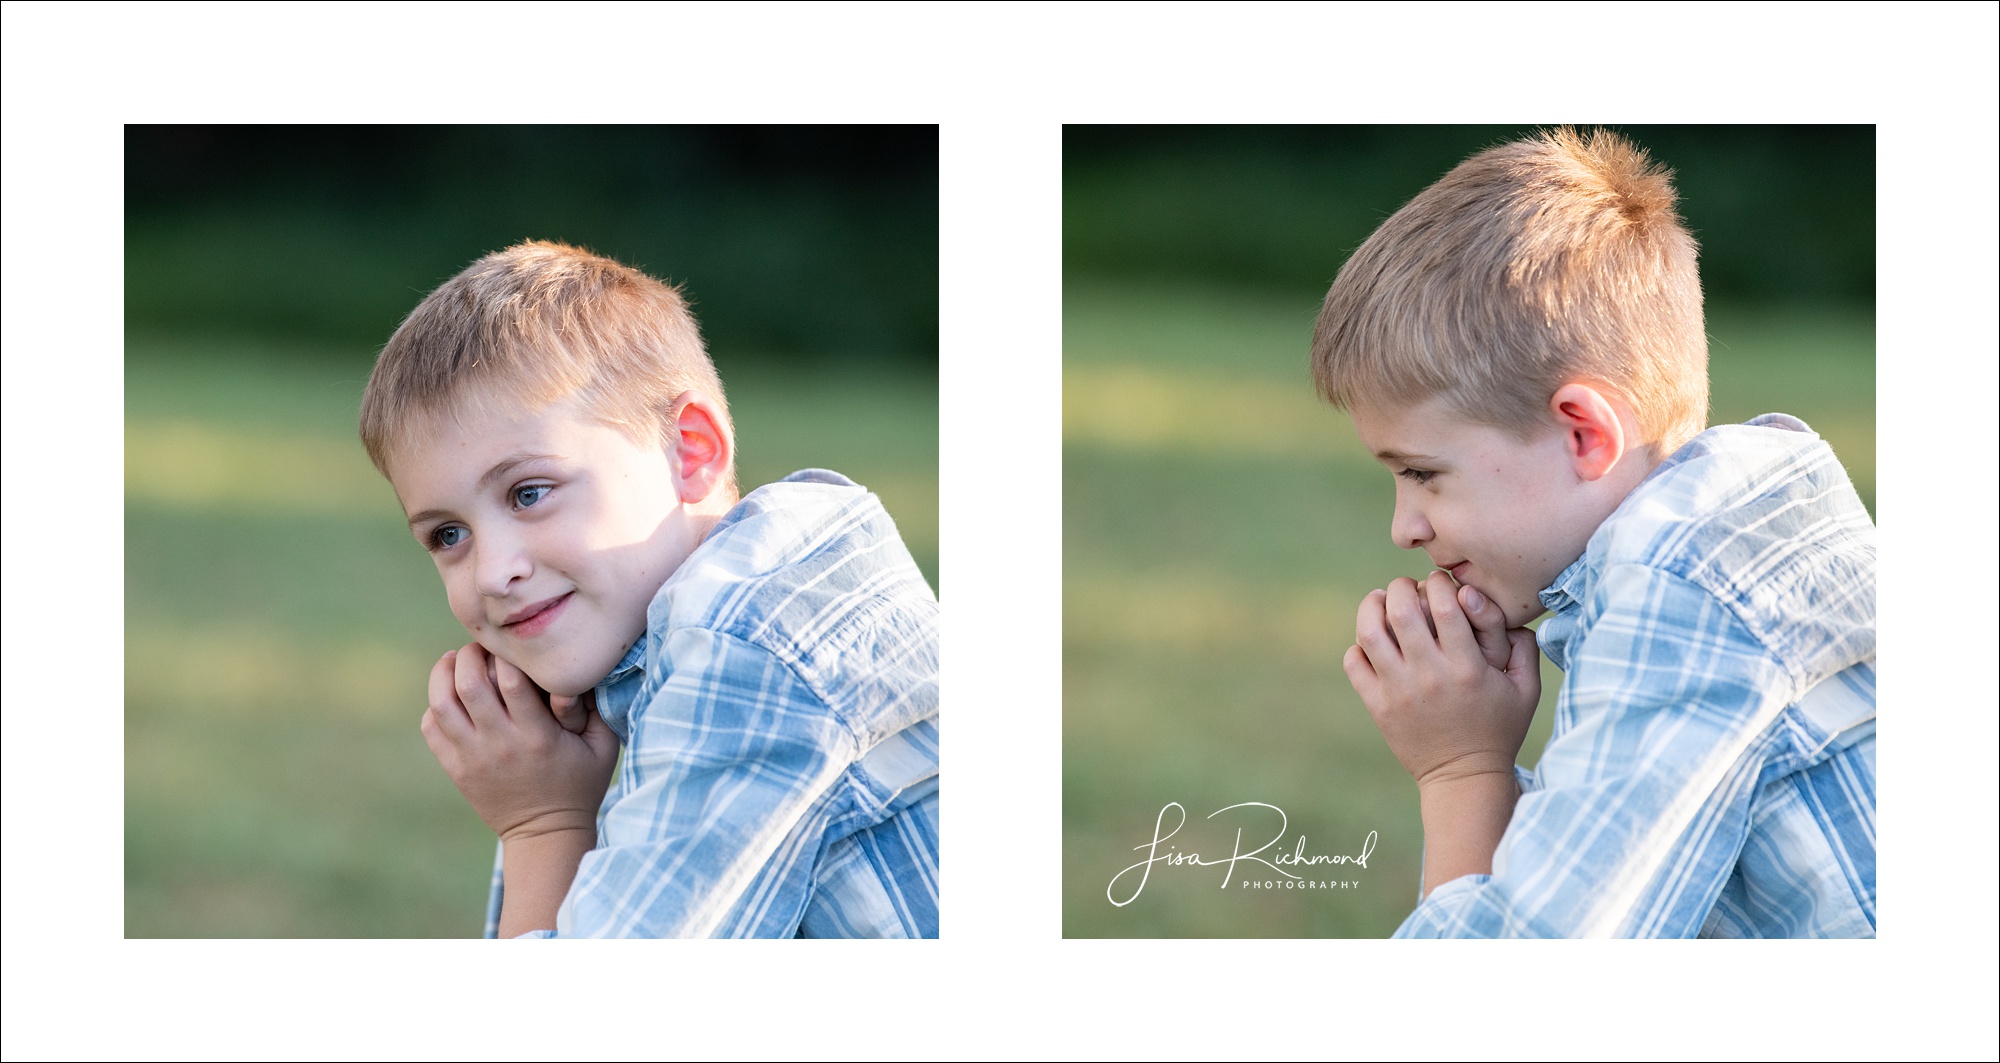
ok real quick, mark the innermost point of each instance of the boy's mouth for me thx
(534, 619)
(1456, 570)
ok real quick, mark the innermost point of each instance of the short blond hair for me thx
(537, 323)
(1528, 266)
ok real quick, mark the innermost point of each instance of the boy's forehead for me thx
(462, 438)
(466, 442)
(1428, 430)
(1403, 432)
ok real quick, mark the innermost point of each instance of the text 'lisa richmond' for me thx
(1295, 869)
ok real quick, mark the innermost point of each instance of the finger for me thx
(569, 712)
(474, 685)
(1454, 631)
(1372, 635)
(1360, 673)
(1424, 603)
(1524, 656)
(520, 695)
(596, 733)
(1489, 626)
(1406, 619)
(445, 712)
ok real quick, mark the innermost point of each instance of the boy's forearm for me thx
(537, 872)
(1464, 819)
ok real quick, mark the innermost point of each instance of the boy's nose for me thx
(500, 564)
(1408, 529)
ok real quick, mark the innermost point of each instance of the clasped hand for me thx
(1450, 686)
(529, 764)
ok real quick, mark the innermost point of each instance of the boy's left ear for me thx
(1593, 434)
(703, 448)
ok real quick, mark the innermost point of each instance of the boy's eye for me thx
(448, 536)
(1417, 476)
(530, 494)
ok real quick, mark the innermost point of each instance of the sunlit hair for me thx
(1528, 266)
(534, 324)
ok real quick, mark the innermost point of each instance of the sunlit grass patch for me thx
(206, 466)
(1140, 407)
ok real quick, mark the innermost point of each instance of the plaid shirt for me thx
(1712, 767)
(779, 721)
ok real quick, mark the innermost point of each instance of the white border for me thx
(999, 80)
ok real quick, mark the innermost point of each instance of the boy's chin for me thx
(558, 683)
(563, 685)
(1521, 614)
(1518, 613)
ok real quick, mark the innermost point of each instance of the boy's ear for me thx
(1593, 433)
(703, 449)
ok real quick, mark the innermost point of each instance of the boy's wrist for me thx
(1472, 769)
(539, 867)
(1465, 816)
(564, 824)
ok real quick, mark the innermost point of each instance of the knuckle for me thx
(467, 687)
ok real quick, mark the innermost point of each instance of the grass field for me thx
(1220, 525)
(279, 624)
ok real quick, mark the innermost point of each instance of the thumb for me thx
(597, 734)
(1524, 658)
(1489, 627)
(569, 711)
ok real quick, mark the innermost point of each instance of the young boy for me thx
(557, 436)
(1522, 345)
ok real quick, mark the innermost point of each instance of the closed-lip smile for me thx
(532, 619)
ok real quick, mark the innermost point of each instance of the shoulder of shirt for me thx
(812, 570)
(1762, 517)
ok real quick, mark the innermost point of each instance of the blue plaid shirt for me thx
(1712, 767)
(779, 721)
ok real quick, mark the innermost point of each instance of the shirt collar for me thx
(1567, 591)
(615, 693)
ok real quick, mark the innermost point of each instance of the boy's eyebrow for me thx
(1401, 458)
(499, 471)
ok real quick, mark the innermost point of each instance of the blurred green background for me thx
(280, 621)
(1221, 524)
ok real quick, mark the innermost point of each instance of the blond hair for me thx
(534, 324)
(1528, 266)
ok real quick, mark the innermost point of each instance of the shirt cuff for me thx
(1436, 914)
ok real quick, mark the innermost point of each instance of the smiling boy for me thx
(1522, 346)
(558, 439)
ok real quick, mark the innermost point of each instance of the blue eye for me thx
(529, 494)
(447, 536)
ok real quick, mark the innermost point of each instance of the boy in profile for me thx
(557, 437)
(1522, 346)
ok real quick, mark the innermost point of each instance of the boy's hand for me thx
(525, 772)
(1489, 626)
(1453, 698)
(1453, 717)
